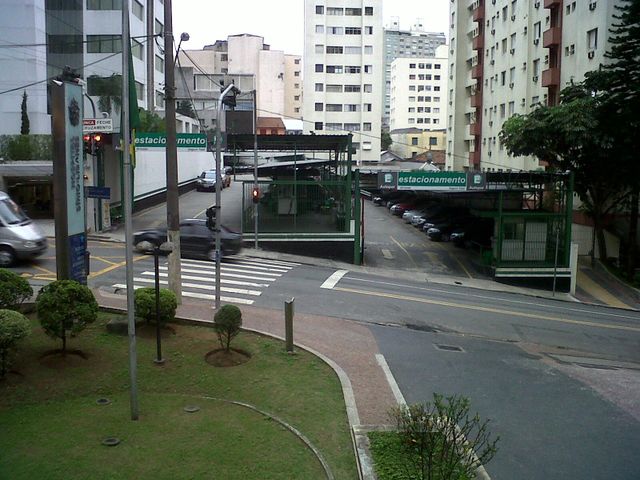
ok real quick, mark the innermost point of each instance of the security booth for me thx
(307, 200)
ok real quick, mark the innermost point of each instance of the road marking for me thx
(45, 271)
(455, 257)
(202, 296)
(104, 260)
(210, 280)
(114, 266)
(405, 251)
(239, 291)
(390, 379)
(386, 253)
(333, 279)
(224, 271)
(278, 269)
(478, 308)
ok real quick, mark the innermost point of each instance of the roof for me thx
(270, 122)
(244, 141)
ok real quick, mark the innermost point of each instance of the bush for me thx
(145, 304)
(13, 289)
(65, 305)
(227, 323)
(13, 327)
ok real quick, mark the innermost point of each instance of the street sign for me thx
(98, 192)
(387, 180)
(92, 125)
(184, 141)
(440, 181)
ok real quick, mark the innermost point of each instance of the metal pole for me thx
(151, 100)
(288, 324)
(173, 203)
(156, 263)
(255, 163)
(127, 209)
(218, 210)
(555, 262)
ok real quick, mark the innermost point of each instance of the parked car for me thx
(478, 232)
(196, 240)
(409, 214)
(445, 214)
(207, 180)
(399, 208)
(442, 231)
(20, 238)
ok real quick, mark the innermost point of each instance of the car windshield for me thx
(11, 213)
(210, 175)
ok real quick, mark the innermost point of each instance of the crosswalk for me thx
(242, 279)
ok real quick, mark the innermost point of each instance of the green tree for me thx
(13, 327)
(24, 116)
(151, 122)
(108, 90)
(14, 290)
(227, 323)
(185, 107)
(65, 306)
(145, 304)
(385, 140)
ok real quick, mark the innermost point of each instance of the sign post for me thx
(68, 182)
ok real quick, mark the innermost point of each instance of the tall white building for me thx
(343, 66)
(506, 57)
(412, 43)
(38, 39)
(419, 92)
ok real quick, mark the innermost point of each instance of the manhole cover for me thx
(111, 441)
(191, 409)
(103, 401)
(449, 348)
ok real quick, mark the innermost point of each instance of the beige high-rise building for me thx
(506, 56)
(293, 86)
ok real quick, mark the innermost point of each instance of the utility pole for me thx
(173, 214)
(255, 162)
(151, 56)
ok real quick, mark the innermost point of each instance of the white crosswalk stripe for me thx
(242, 279)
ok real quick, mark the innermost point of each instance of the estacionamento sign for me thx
(184, 141)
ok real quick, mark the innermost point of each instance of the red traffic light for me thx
(255, 195)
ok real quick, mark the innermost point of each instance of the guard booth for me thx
(308, 200)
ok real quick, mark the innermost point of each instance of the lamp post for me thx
(159, 250)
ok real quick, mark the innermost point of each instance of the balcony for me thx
(478, 13)
(476, 100)
(476, 71)
(478, 42)
(475, 129)
(474, 158)
(552, 37)
(551, 77)
(552, 3)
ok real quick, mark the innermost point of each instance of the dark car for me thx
(196, 240)
(442, 231)
(446, 214)
(207, 180)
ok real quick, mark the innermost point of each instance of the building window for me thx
(317, 126)
(319, 28)
(335, 30)
(334, 11)
(368, 69)
(352, 88)
(352, 127)
(353, 50)
(331, 49)
(351, 107)
(138, 9)
(367, 107)
(319, 68)
(296, 74)
(433, 141)
(224, 57)
(353, 12)
(353, 31)
(159, 99)
(414, 140)
(159, 64)
(296, 98)
(334, 88)
(296, 61)
(368, 30)
(537, 31)
(64, 44)
(368, 50)
(334, 69)
(334, 107)
(158, 26)
(592, 39)
(137, 49)
(104, 43)
(334, 126)
(319, 107)
(352, 69)
(368, 11)
(366, 127)
(319, 10)
(319, 87)
(139, 91)
(104, 5)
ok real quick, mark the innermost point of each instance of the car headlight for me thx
(30, 244)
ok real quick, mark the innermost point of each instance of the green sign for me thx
(443, 181)
(185, 141)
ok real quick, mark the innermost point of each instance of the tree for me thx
(108, 90)
(227, 323)
(14, 290)
(13, 327)
(385, 140)
(573, 136)
(185, 107)
(151, 122)
(145, 304)
(65, 305)
(24, 116)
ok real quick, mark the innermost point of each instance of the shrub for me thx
(441, 440)
(65, 305)
(145, 304)
(13, 289)
(13, 327)
(227, 323)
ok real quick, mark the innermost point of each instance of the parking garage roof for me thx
(287, 143)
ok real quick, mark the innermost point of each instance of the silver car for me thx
(20, 238)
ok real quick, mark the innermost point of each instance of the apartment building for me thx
(343, 72)
(251, 64)
(418, 91)
(412, 43)
(40, 38)
(506, 57)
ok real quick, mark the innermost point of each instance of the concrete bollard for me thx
(288, 324)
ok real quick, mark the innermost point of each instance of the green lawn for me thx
(51, 426)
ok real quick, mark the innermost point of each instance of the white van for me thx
(20, 238)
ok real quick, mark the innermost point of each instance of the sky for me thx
(281, 22)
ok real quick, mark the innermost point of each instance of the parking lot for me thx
(391, 243)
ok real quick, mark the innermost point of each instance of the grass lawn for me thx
(51, 426)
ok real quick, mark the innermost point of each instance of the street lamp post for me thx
(159, 250)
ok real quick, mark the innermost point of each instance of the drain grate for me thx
(449, 348)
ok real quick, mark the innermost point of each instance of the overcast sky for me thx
(281, 22)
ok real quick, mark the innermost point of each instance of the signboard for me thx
(77, 258)
(196, 142)
(97, 125)
(387, 180)
(74, 160)
(476, 181)
(98, 192)
(440, 181)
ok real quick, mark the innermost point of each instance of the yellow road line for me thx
(104, 260)
(44, 270)
(404, 250)
(455, 257)
(489, 310)
(113, 267)
(595, 290)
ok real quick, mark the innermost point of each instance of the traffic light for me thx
(94, 143)
(255, 195)
(211, 217)
(87, 144)
(98, 142)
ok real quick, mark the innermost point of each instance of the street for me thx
(560, 380)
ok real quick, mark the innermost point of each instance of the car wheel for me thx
(144, 246)
(7, 256)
